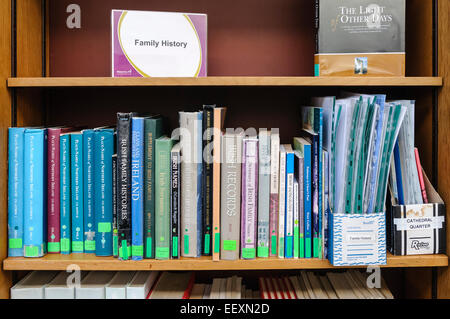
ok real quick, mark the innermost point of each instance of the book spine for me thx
(230, 213)
(153, 130)
(175, 205)
(216, 184)
(264, 195)
(124, 184)
(282, 203)
(163, 147)
(249, 203)
(274, 185)
(289, 209)
(103, 197)
(315, 195)
(207, 190)
(76, 142)
(53, 197)
(307, 184)
(89, 219)
(65, 194)
(115, 239)
(301, 207)
(296, 220)
(15, 191)
(318, 122)
(137, 188)
(34, 193)
(326, 206)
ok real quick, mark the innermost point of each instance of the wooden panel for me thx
(5, 122)
(444, 131)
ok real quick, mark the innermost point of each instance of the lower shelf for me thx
(91, 262)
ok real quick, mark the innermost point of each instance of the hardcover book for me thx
(65, 194)
(264, 194)
(289, 203)
(299, 169)
(207, 190)
(175, 187)
(114, 207)
(76, 163)
(230, 212)
(88, 197)
(249, 203)
(282, 203)
(274, 191)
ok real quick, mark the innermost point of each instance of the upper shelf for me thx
(225, 81)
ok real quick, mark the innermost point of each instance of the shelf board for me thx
(224, 81)
(91, 262)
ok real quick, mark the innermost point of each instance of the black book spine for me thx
(123, 184)
(175, 205)
(207, 187)
(114, 206)
(317, 24)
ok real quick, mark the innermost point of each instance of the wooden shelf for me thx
(91, 262)
(225, 81)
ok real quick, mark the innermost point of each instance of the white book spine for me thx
(282, 202)
(296, 215)
(274, 185)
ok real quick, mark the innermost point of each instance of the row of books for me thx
(350, 284)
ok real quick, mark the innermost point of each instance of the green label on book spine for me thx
(115, 245)
(263, 252)
(307, 247)
(207, 244)
(248, 253)
(281, 247)
(31, 251)
(137, 251)
(273, 245)
(104, 227)
(217, 243)
(302, 247)
(186, 244)
(125, 251)
(229, 245)
(65, 245)
(175, 246)
(89, 245)
(148, 248)
(296, 242)
(15, 243)
(54, 247)
(289, 244)
(319, 248)
(316, 247)
(77, 246)
(162, 252)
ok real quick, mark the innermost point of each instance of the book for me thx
(215, 288)
(230, 212)
(77, 181)
(175, 191)
(299, 174)
(35, 192)
(274, 191)
(282, 203)
(420, 173)
(191, 183)
(124, 184)
(137, 187)
(296, 220)
(65, 193)
(117, 287)
(93, 285)
(115, 238)
(326, 204)
(163, 147)
(103, 195)
(264, 194)
(173, 285)
(32, 286)
(197, 291)
(141, 284)
(249, 196)
(62, 286)
(207, 190)
(15, 191)
(289, 203)
(88, 189)
(153, 127)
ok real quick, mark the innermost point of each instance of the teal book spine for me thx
(35, 197)
(318, 128)
(15, 191)
(103, 195)
(88, 189)
(65, 193)
(76, 150)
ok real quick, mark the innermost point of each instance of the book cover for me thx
(207, 190)
(65, 194)
(115, 238)
(230, 211)
(15, 191)
(103, 196)
(264, 194)
(77, 181)
(137, 188)
(249, 203)
(34, 192)
(282, 202)
(124, 184)
(88, 196)
(175, 166)
(289, 209)
(153, 130)
(163, 147)
(274, 185)
(191, 183)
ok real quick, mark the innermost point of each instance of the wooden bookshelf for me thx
(224, 81)
(91, 262)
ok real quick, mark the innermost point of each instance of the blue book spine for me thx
(15, 191)
(88, 189)
(34, 194)
(315, 194)
(289, 207)
(76, 150)
(318, 123)
(199, 137)
(137, 188)
(103, 199)
(307, 201)
(65, 193)
(398, 173)
(326, 206)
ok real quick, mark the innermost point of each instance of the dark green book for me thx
(153, 129)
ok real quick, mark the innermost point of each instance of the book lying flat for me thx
(32, 286)
(117, 288)
(173, 285)
(63, 285)
(141, 284)
(93, 285)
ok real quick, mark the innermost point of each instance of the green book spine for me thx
(163, 146)
(153, 129)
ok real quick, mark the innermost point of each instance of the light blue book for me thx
(65, 194)
(15, 191)
(103, 199)
(34, 193)
(137, 188)
(289, 207)
(88, 189)
(76, 154)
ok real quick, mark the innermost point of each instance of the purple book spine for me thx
(249, 204)
(53, 196)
